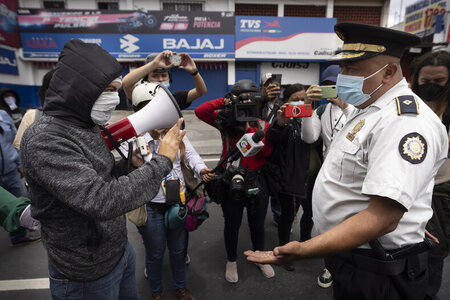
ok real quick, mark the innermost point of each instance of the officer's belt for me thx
(364, 259)
(374, 265)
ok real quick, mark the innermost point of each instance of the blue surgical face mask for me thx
(349, 88)
(166, 84)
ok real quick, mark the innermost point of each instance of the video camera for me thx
(244, 105)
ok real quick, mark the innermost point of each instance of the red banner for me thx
(9, 32)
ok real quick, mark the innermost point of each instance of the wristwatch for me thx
(195, 73)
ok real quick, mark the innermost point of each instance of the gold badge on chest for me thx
(351, 135)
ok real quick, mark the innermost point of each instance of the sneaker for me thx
(26, 236)
(231, 274)
(324, 279)
(183, 294)
(266, 270)
(289, 267)
(145, 273)
(188, 259)
(27, 221)
(156, 296)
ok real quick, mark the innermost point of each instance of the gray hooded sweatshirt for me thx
(78, 192)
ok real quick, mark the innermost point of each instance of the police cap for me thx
(362, 41)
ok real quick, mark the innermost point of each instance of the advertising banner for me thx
(285, 38)
(9, 34)
(421, 17)
(128, 34)
(8, 62)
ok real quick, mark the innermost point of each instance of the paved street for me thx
(23, 269)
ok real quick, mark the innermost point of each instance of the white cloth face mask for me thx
(104, 106)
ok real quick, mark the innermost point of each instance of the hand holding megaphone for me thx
(170, 144)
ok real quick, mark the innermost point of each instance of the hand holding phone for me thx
(328, 91)
(298, 111)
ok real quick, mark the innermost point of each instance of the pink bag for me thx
(196, 213)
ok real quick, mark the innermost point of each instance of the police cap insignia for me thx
(362, 41)
(413, 148)
(407, 104)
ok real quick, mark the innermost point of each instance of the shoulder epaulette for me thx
(407, 104)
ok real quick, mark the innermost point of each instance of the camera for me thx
(298, 111)
(245, 107)
(235, 178)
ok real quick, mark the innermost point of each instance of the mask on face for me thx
(349, 88)
(104, 106)
(430, 91)
(11, 101)
(166, 84)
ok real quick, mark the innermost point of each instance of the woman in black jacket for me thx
(291, 154)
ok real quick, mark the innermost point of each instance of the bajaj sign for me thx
(8, 62)
(198, 43)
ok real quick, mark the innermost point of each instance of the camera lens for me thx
(237, 187)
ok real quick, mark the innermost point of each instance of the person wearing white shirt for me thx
(372, 197)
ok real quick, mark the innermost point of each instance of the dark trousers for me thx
(306, 222)
(289, 207)
(233, 211)
(435, 269)
(353, 281)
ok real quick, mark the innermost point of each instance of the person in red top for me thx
(218, 113)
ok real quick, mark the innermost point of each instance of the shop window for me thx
(54, 4)
(182, 6)
(108, 4)
(256, 10)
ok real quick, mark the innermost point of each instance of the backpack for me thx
(196, 213)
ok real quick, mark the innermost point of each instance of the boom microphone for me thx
(248, 145)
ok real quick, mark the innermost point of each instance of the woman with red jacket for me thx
(219, 114)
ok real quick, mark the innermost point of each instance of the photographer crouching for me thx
(241, 184)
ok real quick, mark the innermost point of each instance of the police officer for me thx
(372, 197)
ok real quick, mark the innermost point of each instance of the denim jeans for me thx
(120, 283)
(156, 236)
(12, 183)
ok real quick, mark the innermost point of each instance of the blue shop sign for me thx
(8, 62)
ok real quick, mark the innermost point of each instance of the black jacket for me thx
(82, 73)
(15, 114)
(291, 156)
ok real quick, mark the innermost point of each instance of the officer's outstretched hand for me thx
(171, 142)
(279, 256)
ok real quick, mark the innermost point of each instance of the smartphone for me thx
(298, 111)
(276, 78)
(328, 91)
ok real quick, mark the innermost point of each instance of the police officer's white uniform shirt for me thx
(327, 126)
(375, 162)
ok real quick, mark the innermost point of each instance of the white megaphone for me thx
(161, 112)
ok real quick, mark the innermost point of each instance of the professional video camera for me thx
(243, 104)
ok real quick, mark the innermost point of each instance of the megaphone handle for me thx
(111, 140)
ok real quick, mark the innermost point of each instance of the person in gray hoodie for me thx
(78, 192)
